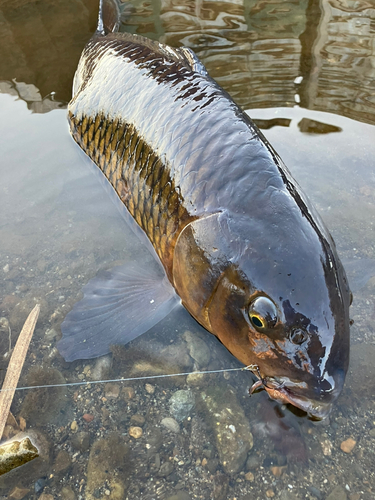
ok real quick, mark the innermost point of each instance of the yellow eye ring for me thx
(257, 321)
(263, 313)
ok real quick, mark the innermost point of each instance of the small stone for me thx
(166, 469)
(46, 496)
(249, 476)
(50, 334)
(62, 461)
(101, 368)
(6, 268)
(198, 349)
(348, 445)
(204, 462)
(171, 424)
(74, 426)
(18, 493)
(230, 427)
(87, 417)
(150, 388)
(220, 487)
(181, 404)
(338, 493)
(111, 391)
(135, 432)
(128, 393)
(372, 432)
(81, 441)
(270, 493)
(138, 420)
(326, 447)
(253, 462)
(278, 471)
(212, 464)
(315, 492)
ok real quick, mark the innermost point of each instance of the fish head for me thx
(279, 301)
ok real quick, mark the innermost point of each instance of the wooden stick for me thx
(15, 366)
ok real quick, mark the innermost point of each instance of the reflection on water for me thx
(195, 436)
(257, 50)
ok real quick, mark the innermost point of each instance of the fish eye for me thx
(298, 336)
(263, 313)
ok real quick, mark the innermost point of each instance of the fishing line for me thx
(131, 379)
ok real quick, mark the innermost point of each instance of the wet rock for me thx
(105, 457)
(127, 393)
(62, 462)
(154, 440)
(135, 432)
(198, 349)
(315, 491)
(102, 368)
(111, 390)
(177, 353)
(348, 445)
(171, 424)
(212, 464)
(372, 432)
(180, 495)
(18, 493)
(253, 462)
(166, 469)
(39, 485)
(229, 425)
(220, 487)
(46, 496)
(361, 373)
(22, 309)
(249, 476)
(138, 420)
(150, 389)
(338, 493)
(16, 453)
(74, 426)
(326, 447)
(181, 404)
(49, 405)
(270, 493)
(67, 493)
(81, 441)
(33, 469)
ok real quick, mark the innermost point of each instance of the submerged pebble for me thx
(229, 425)
(171, 424)
(181, 404)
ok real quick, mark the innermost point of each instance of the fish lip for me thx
(282, 389)
(317, 410)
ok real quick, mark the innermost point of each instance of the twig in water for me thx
(15, 366)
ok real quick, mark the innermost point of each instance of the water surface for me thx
(305, 73)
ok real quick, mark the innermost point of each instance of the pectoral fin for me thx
(118, 306)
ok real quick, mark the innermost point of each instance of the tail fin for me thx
(111, 15)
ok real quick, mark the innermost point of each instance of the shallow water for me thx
(59, 225)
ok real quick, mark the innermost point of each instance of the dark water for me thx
(306, 73)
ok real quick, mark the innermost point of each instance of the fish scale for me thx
(241, 245)
(125, 161)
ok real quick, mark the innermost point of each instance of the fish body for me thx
(239, 242)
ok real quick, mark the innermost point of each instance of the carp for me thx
(237, 241)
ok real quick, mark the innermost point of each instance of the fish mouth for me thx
(284, 391)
